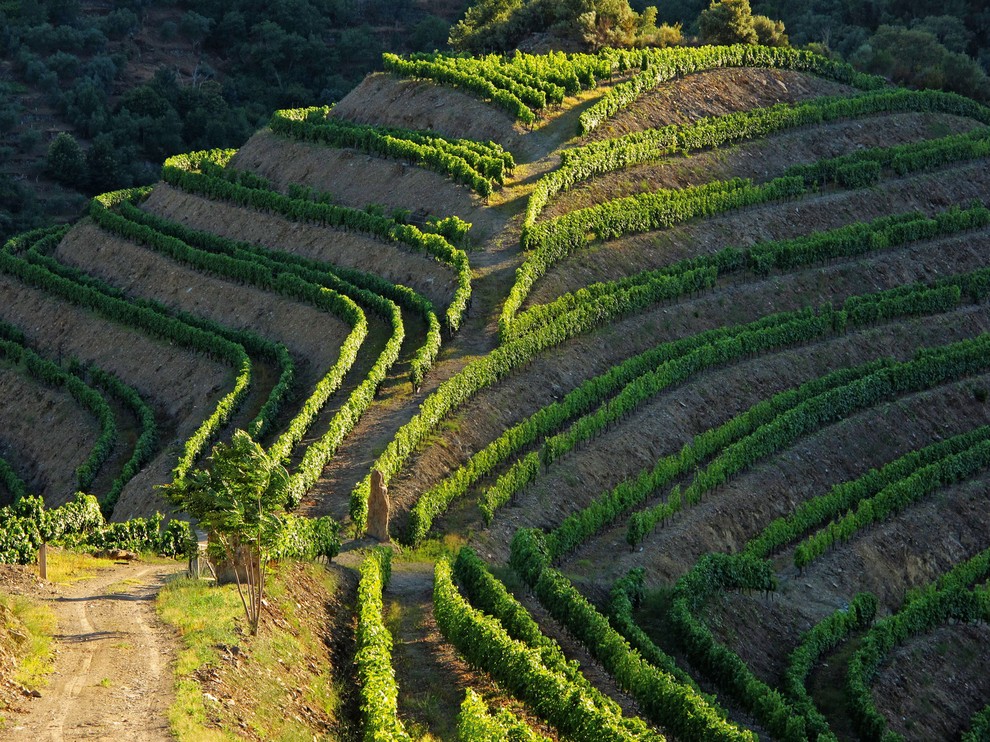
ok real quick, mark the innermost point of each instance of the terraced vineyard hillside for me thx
(702, 391)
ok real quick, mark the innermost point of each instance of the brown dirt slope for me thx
(312, 335)
(70, 431)
(347, 249)
(385, 100)
(59, 330)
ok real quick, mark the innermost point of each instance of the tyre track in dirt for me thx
(112, 676)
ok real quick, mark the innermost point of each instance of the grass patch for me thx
(430, 550)
(28, 627)
(65, 567)
(205, 617)
(287, 657)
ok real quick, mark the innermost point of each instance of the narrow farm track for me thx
(112, 677)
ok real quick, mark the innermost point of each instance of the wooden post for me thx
(43, 561)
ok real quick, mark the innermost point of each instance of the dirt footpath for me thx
(112, 677)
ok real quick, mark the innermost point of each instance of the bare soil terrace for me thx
(71, 430)
(60, 331)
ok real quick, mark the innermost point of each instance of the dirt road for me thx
(112, 678)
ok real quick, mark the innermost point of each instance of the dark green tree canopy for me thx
(728, 22)
(66, 161)
(502, 25)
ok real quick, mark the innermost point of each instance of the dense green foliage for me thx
(950, 597)
(476, 723)
(481, 166)
(379, 693)
(553, 696)
(26, 524)
(501, 25)
(219, 70)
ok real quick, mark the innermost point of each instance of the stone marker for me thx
(378, 507)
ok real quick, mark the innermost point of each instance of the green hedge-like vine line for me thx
(830, 632)
(480, 166)
(39, 253)
(298, 278)
(596, 158)
(625, 595)
(604, 510)
(477, 723)
(487, 594)
(26, 524)
(143, 318)
(851, 240)
(711, 575)
(895, 496)
(144, 447)
(506, 93)
(578, 401)
(823, 637)
(285, 283)
(51, 374)
(504, 359)
(181, 171)
(950, 598)
(555, 239)
(379, 295)
(901, 159)
(665, 699)
(474, 376)
(376, 676)
(716, 572)
(12, 481)
(485, 644)
(842, 497)
(665, 64)
(929, 368)
(522, 84)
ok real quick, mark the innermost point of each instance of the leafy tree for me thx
(66, 161)
(430, 33)
(769, 32)
(120, 23)
(950, 31)
(915, 57)
(239, 501)
(103, 166)
(500, 25)
(195, 27)
(728, 22)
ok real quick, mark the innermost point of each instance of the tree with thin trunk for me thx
(239, 501)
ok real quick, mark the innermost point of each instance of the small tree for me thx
(239, 500)
(727, 22)
(66, 161)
